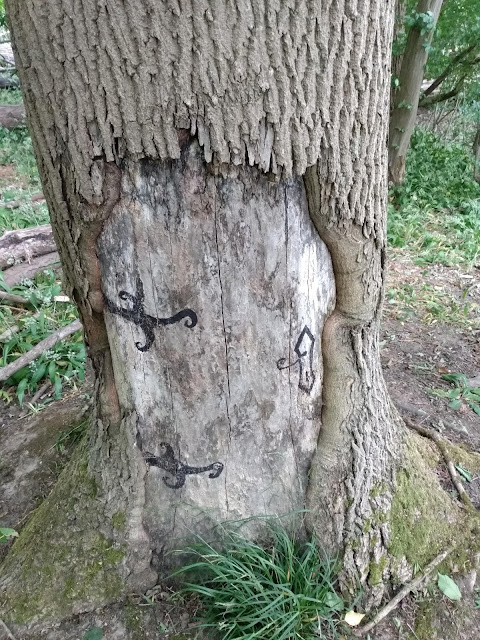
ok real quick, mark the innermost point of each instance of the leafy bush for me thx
(283, 592)
(436, 211)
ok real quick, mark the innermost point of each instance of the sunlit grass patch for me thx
(432, 304)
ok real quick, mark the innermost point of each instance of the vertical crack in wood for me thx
(227, 397)
(285, 202)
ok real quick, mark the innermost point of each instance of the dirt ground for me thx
(418, 347)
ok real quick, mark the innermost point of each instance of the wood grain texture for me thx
(243, 254)
(23, 244)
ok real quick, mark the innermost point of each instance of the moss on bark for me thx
(425, 518)
(64, 559)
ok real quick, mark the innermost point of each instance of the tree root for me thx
(441, 444)
(395, 601)
(10, 297)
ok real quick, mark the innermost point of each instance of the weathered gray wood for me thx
(24, 244)
(14, 275)
(241, 253)
(10, 297)
(12, 115)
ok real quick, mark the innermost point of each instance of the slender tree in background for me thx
(476, 153)
(216, 177)
(406, 97)
(454, 60)
(398, 45)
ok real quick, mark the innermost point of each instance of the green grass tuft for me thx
(283, 592)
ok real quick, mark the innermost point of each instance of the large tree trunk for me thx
(405, 100)
(231, 382)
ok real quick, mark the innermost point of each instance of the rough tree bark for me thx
(216, 176)
(405, 101)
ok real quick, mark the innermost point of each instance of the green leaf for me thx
(6, 533)
(472, 394)
(3, 285)
(333, 601)
(96, 633)
(52, 368)
(39, 373)
(455, 404)
(57, 385)
(466, 475)
(474, 407)
(448, 587)
(460, 379)
(22, 385)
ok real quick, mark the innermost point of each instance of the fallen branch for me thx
(395, 601)
(24, 244)
(37, 350)
(16, 204)
(17, 273)
(8, 83)
(10, 297)
(12, 115)
(440, 442)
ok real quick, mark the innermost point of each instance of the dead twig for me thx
(10, 297)
(395, 601)
(41, 392)
(16, 204)
(45, 387)
(37, 350)
(441, 444)
(4, 627)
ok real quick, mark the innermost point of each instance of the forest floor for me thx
(418, 348)
(431, 329)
